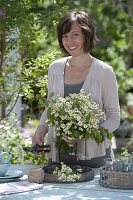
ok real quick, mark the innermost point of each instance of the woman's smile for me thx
(73, 47)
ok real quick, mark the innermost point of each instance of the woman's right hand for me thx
(38, 137)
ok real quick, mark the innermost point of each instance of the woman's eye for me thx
(75, 35)
(64, 36)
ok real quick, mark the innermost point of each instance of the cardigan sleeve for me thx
(110, 101)
(44, 114)
(56, 69)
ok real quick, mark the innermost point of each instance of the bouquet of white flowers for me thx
(76, 116)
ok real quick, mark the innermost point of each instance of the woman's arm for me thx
(38, 137)
(42, 128)
(110, 101)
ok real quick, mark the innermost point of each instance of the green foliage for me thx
(34, 78)
(12, 140)
(125, 152)
(18, 16)
(13, 12)
(25, 24)
(113, 47)
(125, 82)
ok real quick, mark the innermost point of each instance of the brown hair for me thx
(86, 25)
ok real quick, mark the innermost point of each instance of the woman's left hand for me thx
(68, 139)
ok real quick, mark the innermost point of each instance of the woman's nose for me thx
(70, 39)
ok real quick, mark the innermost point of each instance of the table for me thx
(75, 191)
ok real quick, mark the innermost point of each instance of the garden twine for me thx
(36, 175)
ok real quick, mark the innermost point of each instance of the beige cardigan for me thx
(101, 83)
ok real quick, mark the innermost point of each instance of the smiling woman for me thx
(73, 41)
(78, 25)
(80, 70)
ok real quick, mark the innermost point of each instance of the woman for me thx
(77, 36)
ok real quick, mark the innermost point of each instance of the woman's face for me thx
(73, 41)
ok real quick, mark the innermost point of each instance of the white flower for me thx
(80, 123)
(70, 112)
(81, 137)
(78, 118)
(85, 126)
(82, 91)
(63, 125)
(66, 174)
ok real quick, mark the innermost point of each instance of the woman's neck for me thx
(82, 61)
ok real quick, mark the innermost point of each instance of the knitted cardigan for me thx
(101, 83)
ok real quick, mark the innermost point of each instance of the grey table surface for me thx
(90, 190)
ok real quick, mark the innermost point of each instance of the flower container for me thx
(115, 179)
(87, 174)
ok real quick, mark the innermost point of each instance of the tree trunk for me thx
(130, 7)
(2, 50)
(130, 12)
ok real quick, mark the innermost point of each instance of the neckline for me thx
(77, 84)
(87, 66)
(89, 72)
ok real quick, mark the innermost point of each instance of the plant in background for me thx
(125, 152)
(11, 140)
(77, 117)
(34, 77)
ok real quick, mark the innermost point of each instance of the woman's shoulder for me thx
(101, 65)
(58, 64)
(102, 68)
